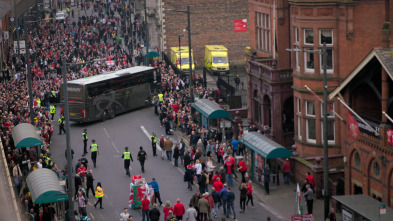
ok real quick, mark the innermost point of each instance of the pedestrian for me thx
(99, 195)
(182, 147)
(82, 173)
(216, 198)
(231, 200)
(154, 143)
(309, 196)
(85, 139)
(90, 183)
(203, 206)
(170, 216)
(61, 122)
(189, 176)
(304, 187)
(243, 169)
(162, 145)
(266, 176)
(229, 172)
(127, 160)
(249, 194)
(310, 179)
(176, 154)
(154, 213)
(142, 156)
(187, 159)
(191, 214)
(195, 199)
(198, 170)
(166, 209)
(179, 210)
(202, 182)
(81, 203)
(124, 215)
(52, 111)
(130, 218)
(94, 152)
(168, 145)
(224, 198)
(243, 197)
(286, 169)
(145, 208)
(332, 215)
(156, 188)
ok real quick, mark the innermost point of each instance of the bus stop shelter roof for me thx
(152, 53)
(45, 187)
(366, 206)
(265, 146)
(210, 109)
(25, 135)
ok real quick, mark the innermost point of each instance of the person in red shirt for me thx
(218, 185)
(217, 175)
(243, 169)
(229, 171)
(179, 210)
(167, 208)
(249, 194)
(82, 169)
(286, 169)
(145, 208)
(310, 179)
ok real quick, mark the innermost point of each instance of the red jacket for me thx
(178, 209)
(311, 180)
(243, 166)
(145, 204)
(286, 168)
(218, 186)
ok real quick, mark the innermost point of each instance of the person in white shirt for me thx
(124, 215)
(39, 163)
(198, 169)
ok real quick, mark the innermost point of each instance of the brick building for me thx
(212, 23)
(351, 30)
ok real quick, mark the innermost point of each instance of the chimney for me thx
(386, 30)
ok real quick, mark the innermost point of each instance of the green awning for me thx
(210, 109)
(25, 135)
(265, 146)
(365, 206)
(45, 187)
(152, 53)
(46, 11)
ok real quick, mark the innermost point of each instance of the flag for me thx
(329, 106)
(299, 203)
(389, 133)
(353, 127)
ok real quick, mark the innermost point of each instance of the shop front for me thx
(259, 150)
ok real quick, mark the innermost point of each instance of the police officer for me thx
(142, 156)
(154, 143)
(52, 109)
(127, 157)
(94, 152)
(160, 99)
(85, 139)
(61, 124)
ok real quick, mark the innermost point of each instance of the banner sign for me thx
(240, 25)
(364, 128)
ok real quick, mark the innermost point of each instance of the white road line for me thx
(106, 132)
(148, 136)
(115, 148)
(268, 208)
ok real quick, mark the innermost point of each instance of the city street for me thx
(127, 130)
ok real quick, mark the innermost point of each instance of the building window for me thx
(326, 35)
(310, 122)
(298, 105)
(263, 31)
(299, 118)
(356, 159)
(297, 59)
(309, 62)
(376, 169)
(308, 36)
(296, 35)
(329, 64)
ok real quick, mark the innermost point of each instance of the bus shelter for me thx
(261, 149)
(209, 112)
(25, 135)
(153, 54)
(44, 187)
(363, 207)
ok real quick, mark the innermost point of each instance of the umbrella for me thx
(46, 10)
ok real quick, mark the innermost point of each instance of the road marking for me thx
(115, 148)
(92, 217)
(274, 212)
(106, 132)
(148, 136)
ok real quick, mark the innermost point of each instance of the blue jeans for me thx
(230, 179)
(216, 207)
(224, 206)
(145, 213)
(169, 155)
(176, 163)
(230, 205)
(286, 178)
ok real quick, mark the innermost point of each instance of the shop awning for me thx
(152, 53)
(45, 187)
(25, 135)
(210, 109)
(46, 11)
(365, 206)
(264, 146)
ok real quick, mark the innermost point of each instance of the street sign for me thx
(6, 35)
(240, 25)
(22, 47)
(382, 209)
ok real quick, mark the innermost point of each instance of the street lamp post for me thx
(147, 38)
(180, 54)
(189, 47)
(324, 54)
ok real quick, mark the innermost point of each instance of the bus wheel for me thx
(111, 113)
(147, 102)
(104, 116)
